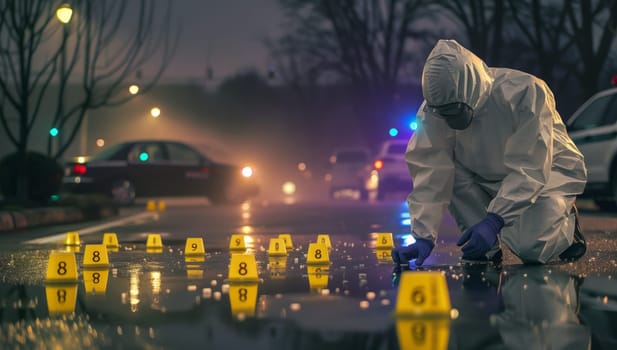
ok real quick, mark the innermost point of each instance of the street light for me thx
(155, 112)
(134, 89)
(64, 13)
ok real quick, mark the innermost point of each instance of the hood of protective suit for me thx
(454, 74)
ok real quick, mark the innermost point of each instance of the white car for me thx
(593, 128)
(390, 172)
(349, 169)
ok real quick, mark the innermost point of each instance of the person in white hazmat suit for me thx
(492, 148)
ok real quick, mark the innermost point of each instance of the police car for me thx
(593, 128)
(159, 168)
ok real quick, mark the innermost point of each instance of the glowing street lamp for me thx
(134, 89)
(64, 13)
(155, 112)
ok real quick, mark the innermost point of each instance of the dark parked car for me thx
(159, 168)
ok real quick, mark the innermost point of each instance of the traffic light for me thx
(53, 132)
(144, 156)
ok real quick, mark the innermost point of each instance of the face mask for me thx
(457, 115)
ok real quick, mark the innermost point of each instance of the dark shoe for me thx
(579, 246)
(494, 262)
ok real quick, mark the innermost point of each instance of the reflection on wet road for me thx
(165, 298)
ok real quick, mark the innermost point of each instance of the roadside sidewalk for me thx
(11, 220)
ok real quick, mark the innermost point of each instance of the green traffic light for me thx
(53, 132)
(143, 156)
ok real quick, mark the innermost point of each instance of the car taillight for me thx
(378, 164)
(79, 169)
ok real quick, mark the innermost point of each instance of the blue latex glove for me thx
(481, 237)
(420, 250)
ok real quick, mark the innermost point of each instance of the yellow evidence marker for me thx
(423, 333)
(194, 266)
(277, 247)
(151, 205)
(277, 265)
(286, 237)
(237, 243)
(317, 254)
(242, 299)
(384, 255)
(318, 277)
(194, 246)
(60, 298)
(72, 238)
(384, 241)
(191, 260)
(110, 240)
(95, 255)
(423, 293)
(194, 274)
(277, 262)
(72, 249)
(61, 267)
(324, 239)
(243, 268)
(154, 241)
(95, 280)
(161, 206)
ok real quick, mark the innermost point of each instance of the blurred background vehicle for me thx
(593, 128)
(348, 170)
(390, 173)
(149, 168)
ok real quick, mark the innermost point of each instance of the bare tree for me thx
(568, 38)
(483, 22)
(100, 50)
(592, 26)
(365, 43)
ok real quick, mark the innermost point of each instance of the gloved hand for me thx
(481, 237)
(420, 250)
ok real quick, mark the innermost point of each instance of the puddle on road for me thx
(164, 299)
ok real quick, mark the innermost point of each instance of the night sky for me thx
(232, 29)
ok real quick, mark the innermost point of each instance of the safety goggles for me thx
(457, 115)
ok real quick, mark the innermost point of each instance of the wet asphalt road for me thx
(161, 299)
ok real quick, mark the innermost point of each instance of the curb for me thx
(28, 218)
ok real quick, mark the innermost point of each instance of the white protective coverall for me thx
(515, 159)
(541, 312)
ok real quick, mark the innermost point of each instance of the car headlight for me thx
(247, 171)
